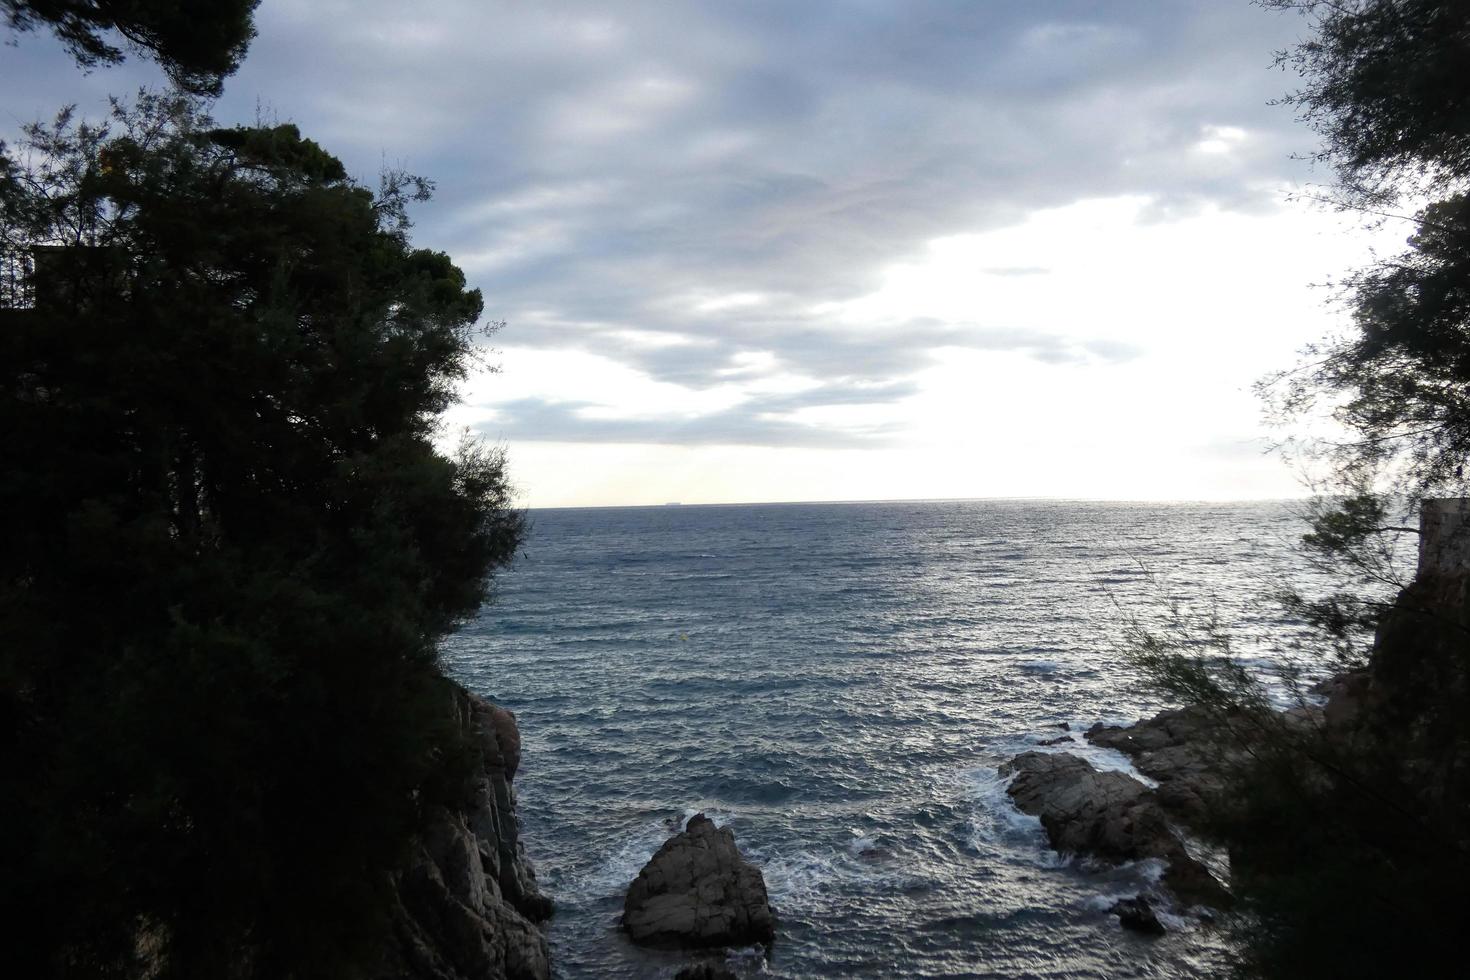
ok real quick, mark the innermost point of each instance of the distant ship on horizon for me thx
(674, 503)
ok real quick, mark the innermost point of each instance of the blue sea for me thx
(837, 683)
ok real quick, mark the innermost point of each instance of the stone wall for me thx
(1444, 536)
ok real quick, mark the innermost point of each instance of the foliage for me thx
(1349, 837)
(198, 43)
(1385, 88)
(1347, 840)
(231, 547)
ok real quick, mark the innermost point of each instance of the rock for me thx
(1106, 815)
(467, 899)
(1347, 695)
(1083, 811)
(697, 891)
(1188, 751)
(1137, 914)
(1055, 741)
(705, 971)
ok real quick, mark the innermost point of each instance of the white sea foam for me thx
(861, 843)
(996, 822)
(748, 960)
(612, 875)
(796, 879)
(1099, 757)
(619, 867)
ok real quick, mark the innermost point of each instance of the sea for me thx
(837, 683)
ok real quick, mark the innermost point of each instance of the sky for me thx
(823, 250)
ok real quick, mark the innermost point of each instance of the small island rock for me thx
(705, 971)
(1137, 914)
(697, 892)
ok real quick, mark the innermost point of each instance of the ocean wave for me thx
(844, 708)
(996, 823)
(799, 878)
(611, 876)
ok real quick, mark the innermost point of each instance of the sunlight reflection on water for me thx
(823, 674)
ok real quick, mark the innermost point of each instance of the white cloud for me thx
(827, 250)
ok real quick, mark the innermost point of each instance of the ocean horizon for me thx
(1122, 501)
(837, 682)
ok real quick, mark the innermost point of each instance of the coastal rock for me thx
(467, 899)
(1137, 915)
(698, 891)
(705, 971)
(1188, 751)
(1106, 815)
(1347, 695)
(1102, 814)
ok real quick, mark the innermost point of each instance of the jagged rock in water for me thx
(705, 971)
(467, 899)
(1137, 915)
(1106, 815)
(1188, 750)
(697, 891)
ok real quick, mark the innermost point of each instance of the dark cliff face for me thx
(468, 902)
(1419, 667)
(1418, 693)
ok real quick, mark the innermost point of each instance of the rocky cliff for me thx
(467, 899)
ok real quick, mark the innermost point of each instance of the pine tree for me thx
(231, 546)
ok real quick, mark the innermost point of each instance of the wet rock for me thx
(705, 971)
(1084, 811)
(1137, 914)
(1106, 815)
(1189, 751)
(466, 899)
(698, 891)
(1055, 741)
(1347, 695)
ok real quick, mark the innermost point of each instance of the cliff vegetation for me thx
(231, 546)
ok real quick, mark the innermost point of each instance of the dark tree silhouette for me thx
(198, 42)
(1386, 88)
(231, 546)
(1350, 842)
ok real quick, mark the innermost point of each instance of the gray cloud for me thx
(600, 163)
(758, 422)
(710, 353)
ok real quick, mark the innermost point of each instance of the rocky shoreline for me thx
(1188, 756)
(467, 903)
(468, 906)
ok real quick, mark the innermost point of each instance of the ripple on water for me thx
(837, 683)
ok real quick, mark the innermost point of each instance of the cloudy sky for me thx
(832, 249)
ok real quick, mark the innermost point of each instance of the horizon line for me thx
(929, 500)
